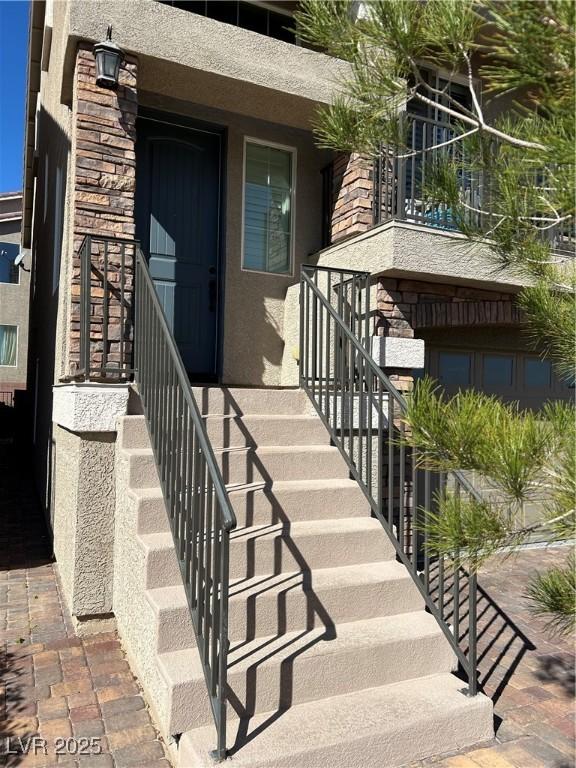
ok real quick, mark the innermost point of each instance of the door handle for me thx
(212, 295)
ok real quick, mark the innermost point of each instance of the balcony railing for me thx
(402, 177)
(102, 321)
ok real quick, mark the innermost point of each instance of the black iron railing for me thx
(123, 335)
(364, 413)
(199, 511)
(402, 177)
(103, 319)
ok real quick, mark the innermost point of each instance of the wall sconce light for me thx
(108, 59)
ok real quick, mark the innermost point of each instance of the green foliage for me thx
(553, 595)
(473, 431)
(525, 156)
(518, 453)
(463, 528)
(531, 48)
(551, 320)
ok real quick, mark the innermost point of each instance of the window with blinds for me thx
(268, 208)
(8, 344)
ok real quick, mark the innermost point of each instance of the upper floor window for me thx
(257, 17)
(8, 344)
(268, 207)
(9, 272)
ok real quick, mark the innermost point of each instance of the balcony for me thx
(394, 226)
(401, 180)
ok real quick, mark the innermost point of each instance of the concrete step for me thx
(382, 727)
(134, 432)
(311, 665)
(296, 500)
(151, 510)
(238, 401)
(268, 605)
(255, 504)
(142, 472)
(275, 549)
(242, 466)
(272, 463)
(274, 605)
(258, 430)
(162, 569)
(306, 546)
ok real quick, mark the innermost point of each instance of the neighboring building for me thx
(14, 299)
(204, 152)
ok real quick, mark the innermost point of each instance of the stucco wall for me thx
(50, 264)
(253, 339)
(84, 499)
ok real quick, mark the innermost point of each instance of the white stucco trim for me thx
(89, 407)
(395, 352)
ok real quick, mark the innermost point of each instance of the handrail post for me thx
(472, 633)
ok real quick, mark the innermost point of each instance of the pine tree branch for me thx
(471, 88)
(480, 124)
(438, 146)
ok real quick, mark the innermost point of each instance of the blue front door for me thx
(178, 224)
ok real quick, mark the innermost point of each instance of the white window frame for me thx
(13, 325)
(294, 155)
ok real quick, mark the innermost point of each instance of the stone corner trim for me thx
(398, 352)
(86, 407)
(352, 195)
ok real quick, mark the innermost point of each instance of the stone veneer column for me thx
(352, 182)
(394, 316)
(103, 154)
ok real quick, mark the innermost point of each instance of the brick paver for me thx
(528, 673)
(58, 691)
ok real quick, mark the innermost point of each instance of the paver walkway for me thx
(74, 695)
(55, 685)
(528, 674)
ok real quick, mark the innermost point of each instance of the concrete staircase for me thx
(333, 660)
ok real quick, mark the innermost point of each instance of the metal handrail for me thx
(199, 510)
(336, 370)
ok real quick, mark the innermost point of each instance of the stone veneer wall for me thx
(403, 306)
(103, 153)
